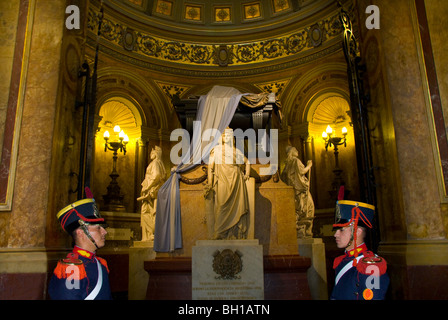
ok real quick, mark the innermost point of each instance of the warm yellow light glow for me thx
(121, 135)
(324, 135)
(117, 128)
(106, 134)
(126, 138)
(329, 130)
(344, 130)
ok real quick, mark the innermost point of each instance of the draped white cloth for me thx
(215, 111)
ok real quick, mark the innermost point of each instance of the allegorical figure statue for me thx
(294, 174)
(227, 202)
(154, 178)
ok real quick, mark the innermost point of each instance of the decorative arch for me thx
(327, 107)
(123, 112)
(306, 90)
(118, 82)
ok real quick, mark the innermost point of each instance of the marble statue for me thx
(227, 203)
(294, 174)
(154, 178)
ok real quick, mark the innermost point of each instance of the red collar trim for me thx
(361, 248)
(83, 253)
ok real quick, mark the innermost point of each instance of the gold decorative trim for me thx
(13, 152)
(252, 11)
(221, 72)
(276, 87)
(222, 14)
(193, 13)
(281, 6)
(164, 8)
(208, 55)
(172, 89)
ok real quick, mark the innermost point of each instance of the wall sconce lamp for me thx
(331, 140)
(113, 200)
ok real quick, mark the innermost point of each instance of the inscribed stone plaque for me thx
(227, 270)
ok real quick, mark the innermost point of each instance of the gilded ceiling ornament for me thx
(272, 49)
(171, 89)
(247, 53)
(276, 87)
(164, 7)
(222, 14)
(280, 5)
(252, 11)
(193, 13)
(214, 54)
(295, 43)
(148, 45)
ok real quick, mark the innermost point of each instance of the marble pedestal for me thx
(138, 277)
(285, 278)
(272, 215)
(314, 248)
(227, 270)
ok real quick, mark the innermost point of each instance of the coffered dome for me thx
(211, 18)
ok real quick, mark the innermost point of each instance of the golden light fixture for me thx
(331, 139)
(113, 200)
(116, 145)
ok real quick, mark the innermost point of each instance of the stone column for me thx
(411, 210)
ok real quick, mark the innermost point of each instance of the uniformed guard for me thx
(82, 275)
(360, 274)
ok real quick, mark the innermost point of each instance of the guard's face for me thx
(342, 237)
(98, 234)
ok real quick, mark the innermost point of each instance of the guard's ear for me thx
(359, 232)
(78, 231)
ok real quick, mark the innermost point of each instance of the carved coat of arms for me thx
(227, 264)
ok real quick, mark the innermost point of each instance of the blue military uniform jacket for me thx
(364, 279)
(77, 277)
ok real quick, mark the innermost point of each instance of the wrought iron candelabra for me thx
(113, 200)
(332, 140)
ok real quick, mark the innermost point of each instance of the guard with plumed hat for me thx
(82, 275)
(360, 274)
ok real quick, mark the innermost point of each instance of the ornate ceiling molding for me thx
(276, 87)
(219, 18)
(141, 45)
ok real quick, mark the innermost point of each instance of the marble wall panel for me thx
(28, 215)
(404, 88)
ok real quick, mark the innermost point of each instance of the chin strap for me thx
(352, 233)
(353, 223)
(86, 231)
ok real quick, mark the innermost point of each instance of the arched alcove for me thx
(125, 113)
(332, 109)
